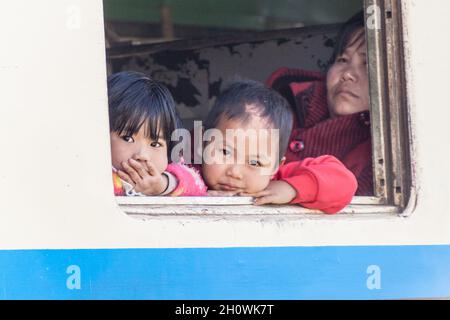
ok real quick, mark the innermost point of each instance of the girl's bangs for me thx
(129, 124)
(155, 128)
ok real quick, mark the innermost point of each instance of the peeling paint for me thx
(195, 77)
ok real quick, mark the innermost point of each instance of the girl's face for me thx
(347, 80)
(140, 148)
(229, 165)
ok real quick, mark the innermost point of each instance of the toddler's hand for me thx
(220, 193)
(143, 177)
(277, 192)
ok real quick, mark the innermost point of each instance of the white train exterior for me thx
(63, 235)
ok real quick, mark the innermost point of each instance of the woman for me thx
(332, 111)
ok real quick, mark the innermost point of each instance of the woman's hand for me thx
(277, 192)
(144, 177)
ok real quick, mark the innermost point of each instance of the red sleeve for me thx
(322, 183)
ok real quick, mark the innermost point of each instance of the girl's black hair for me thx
(136, 99)
(231, 104)
(346, 33)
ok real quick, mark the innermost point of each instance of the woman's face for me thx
(347, 79)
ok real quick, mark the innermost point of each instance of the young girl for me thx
(142, 117)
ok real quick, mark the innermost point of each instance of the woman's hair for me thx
(136, 99)
(346, 34)
(270, 105)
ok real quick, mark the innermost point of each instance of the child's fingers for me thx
(244, 194)
(131, 172)
(256, 194)
(139, 168)
(125, 177)
(218, 193)
(264, 200)
(151, 169)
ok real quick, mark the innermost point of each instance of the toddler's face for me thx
(245, 160)
(140, 148)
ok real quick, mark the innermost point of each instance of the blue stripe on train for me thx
(227, 273)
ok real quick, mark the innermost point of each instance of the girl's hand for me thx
(144, 177)
(277, 192)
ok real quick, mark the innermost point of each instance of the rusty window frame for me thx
(389, 109)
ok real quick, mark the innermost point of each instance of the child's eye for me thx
(156, 144)
(127, 138)
(255, 163)
(226, 152)
(341, 60)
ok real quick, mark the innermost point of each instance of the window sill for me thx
(145, 208)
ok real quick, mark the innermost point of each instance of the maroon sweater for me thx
(348, 138)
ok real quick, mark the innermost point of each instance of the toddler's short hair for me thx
(270, 105)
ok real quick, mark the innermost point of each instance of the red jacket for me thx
(348, 138)
(321, 183)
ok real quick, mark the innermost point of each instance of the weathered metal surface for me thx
(215, 201)
(377, 90)
(233, 14)
(398, 107)
(250, 211)
(389, 107)
(196, 75)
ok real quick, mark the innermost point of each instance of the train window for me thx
(193, 47)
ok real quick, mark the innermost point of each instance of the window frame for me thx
(234, 207)
(389, 111)
(390, 125)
